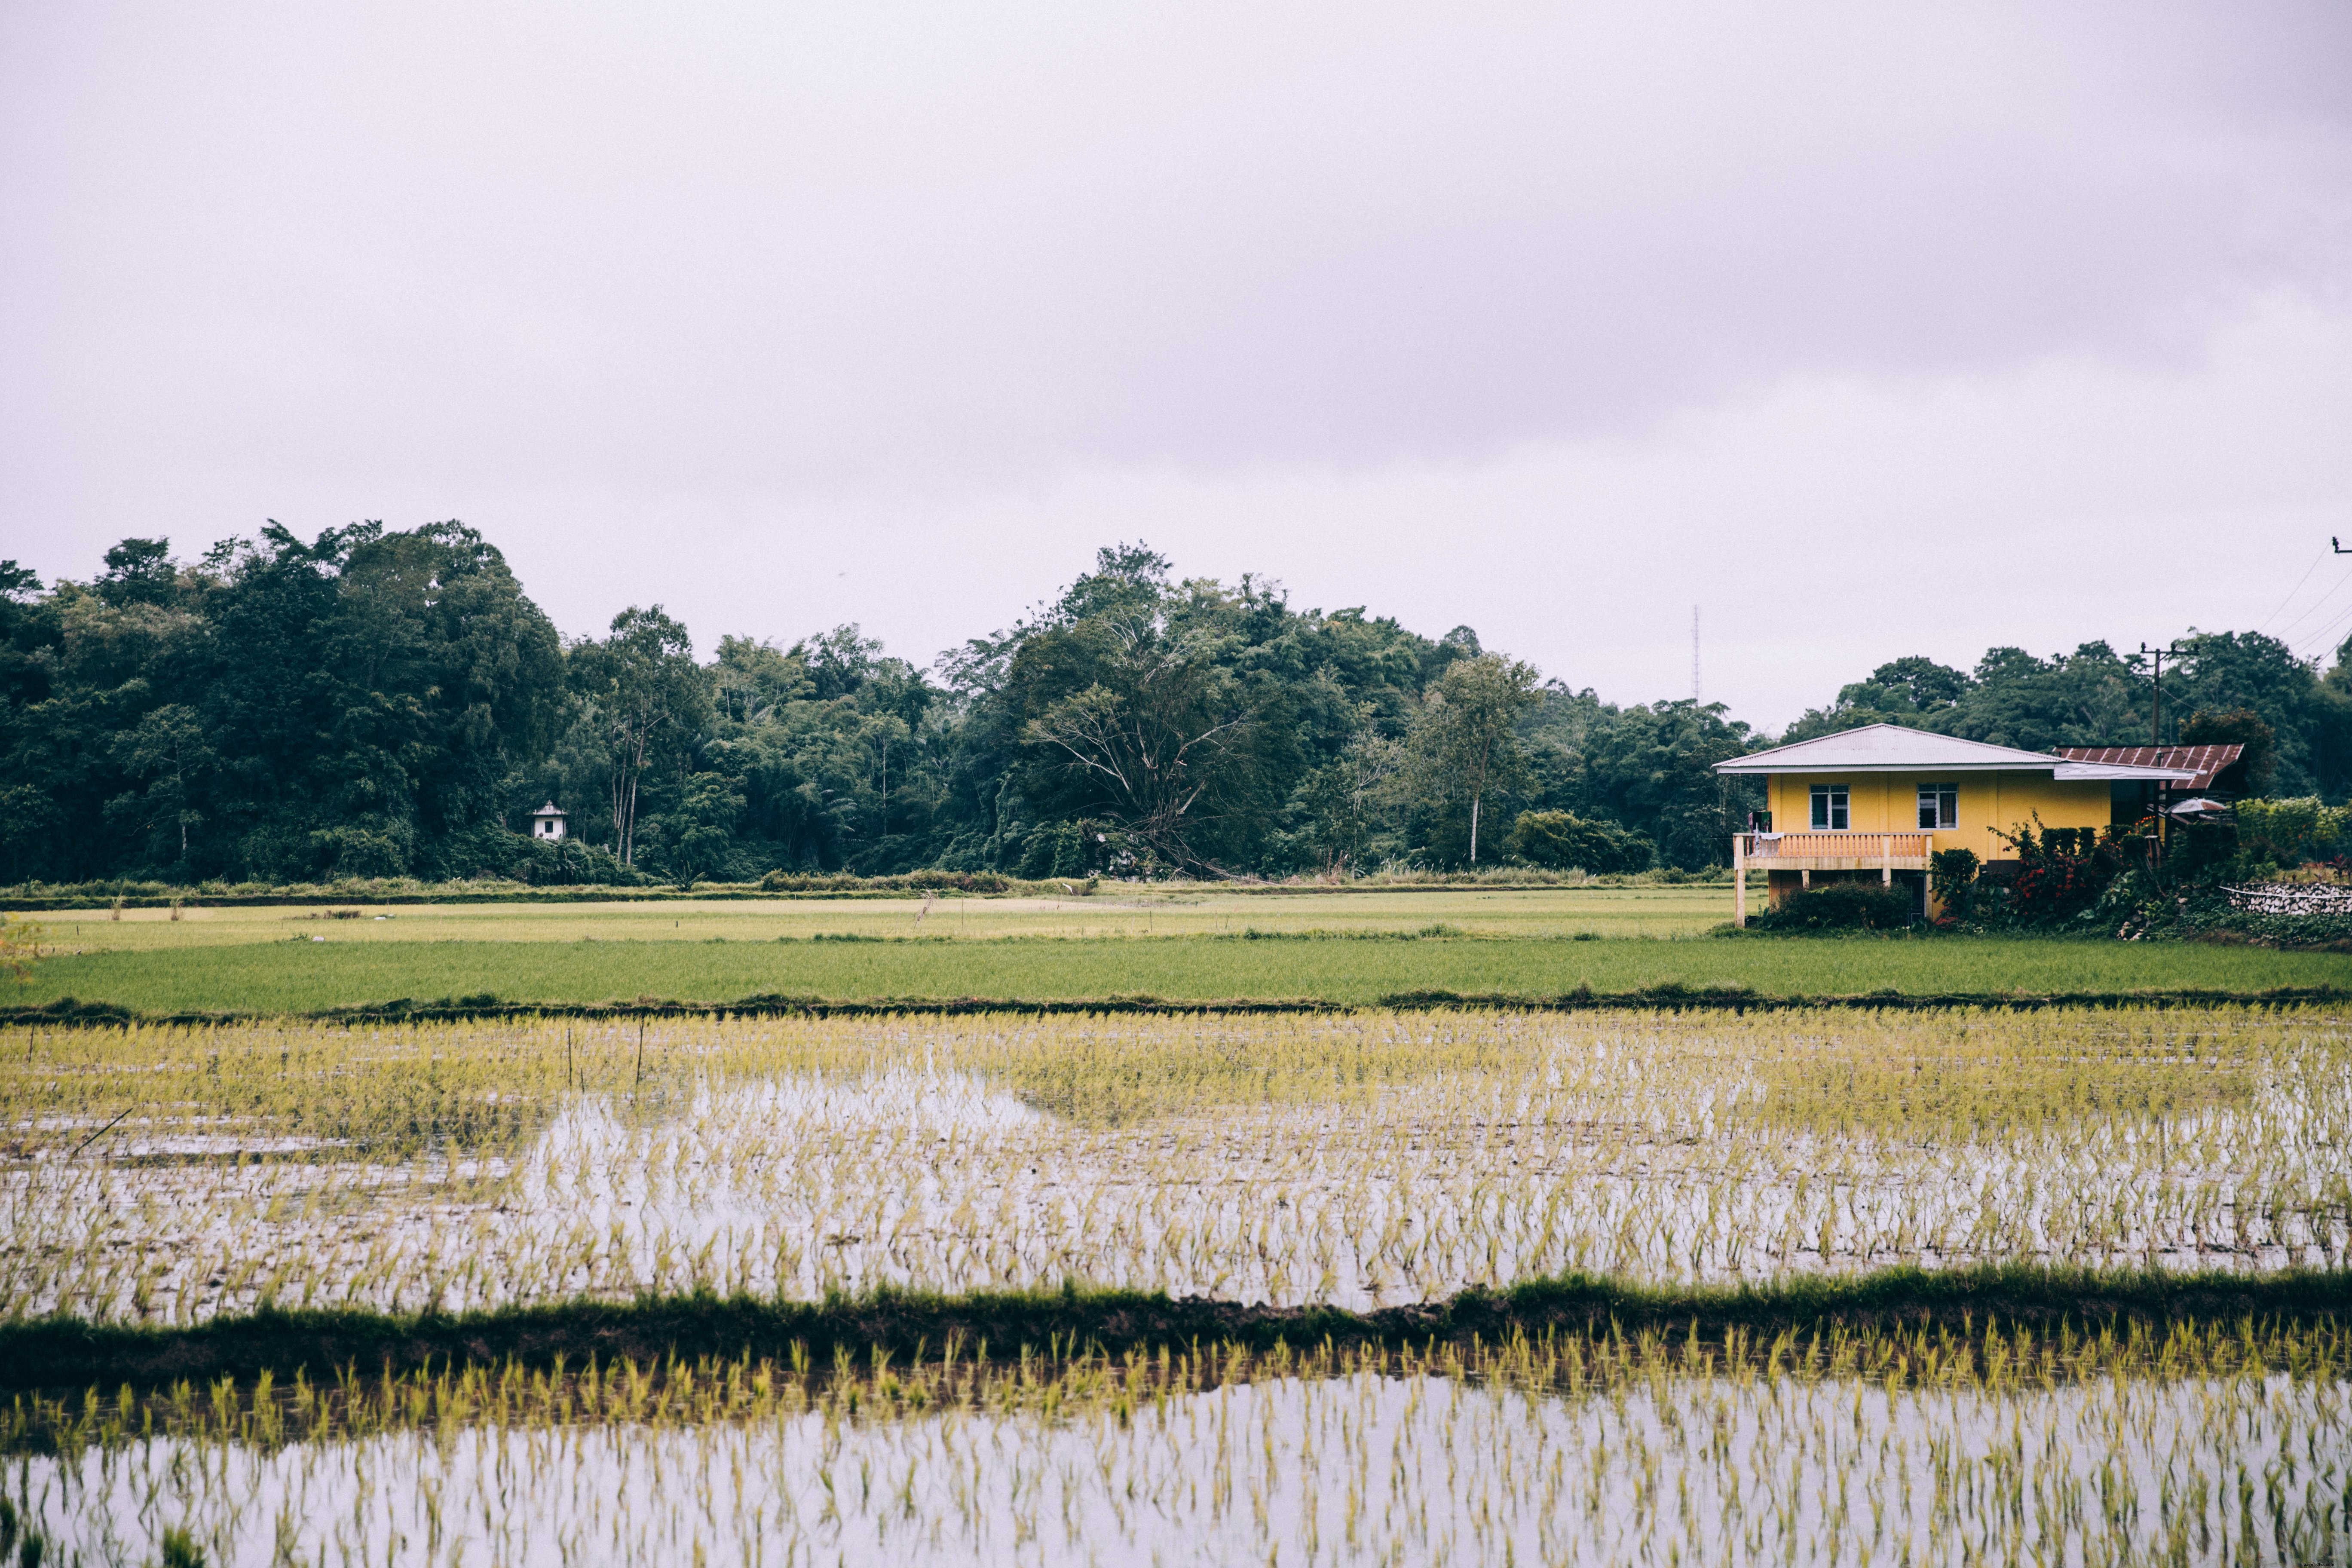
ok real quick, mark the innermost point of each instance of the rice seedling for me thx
(170, 1175)
(166, 1176)
(2218, 1442)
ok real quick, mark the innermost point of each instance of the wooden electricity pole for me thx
(2156, 707)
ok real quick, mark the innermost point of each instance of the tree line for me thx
(379, 703)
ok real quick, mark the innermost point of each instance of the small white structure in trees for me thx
(548, 821)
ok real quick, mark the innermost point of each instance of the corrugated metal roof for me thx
(1886, 748)
(2200, 762)
(1899, 749)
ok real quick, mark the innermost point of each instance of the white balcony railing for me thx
(1846, 851)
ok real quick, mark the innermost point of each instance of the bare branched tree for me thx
(1162, 733)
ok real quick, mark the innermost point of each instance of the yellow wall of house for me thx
(1889, 803)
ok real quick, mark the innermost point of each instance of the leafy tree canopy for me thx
(378, 701)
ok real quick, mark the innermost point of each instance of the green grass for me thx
(1184, 945)
(1114, 912)
(306, 976)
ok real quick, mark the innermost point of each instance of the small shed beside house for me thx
(2217, 771)
(548, 821)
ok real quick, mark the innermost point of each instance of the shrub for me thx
(1951, 877)
(1840, 906)
(350, 852)
(2287, 832)
(781, 881)
(490, 850)
(1560, 840)
(1072, 849)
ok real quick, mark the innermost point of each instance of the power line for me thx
(2329, 630)
(2320, 604)
(2328, 636)
(2291, 593)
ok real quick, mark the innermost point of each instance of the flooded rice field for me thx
(2188, 1447)
(167, 1177)
(160, 1176)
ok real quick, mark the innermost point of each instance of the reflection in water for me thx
(1313, 1465)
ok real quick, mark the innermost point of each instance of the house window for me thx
(1830, 808)
(1939, 805)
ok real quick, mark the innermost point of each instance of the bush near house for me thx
(2276, 834)
(1857, 905)
(1951, 878)
(2061, 873)
(2106, 883)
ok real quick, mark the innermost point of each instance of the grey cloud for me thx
(805, 250)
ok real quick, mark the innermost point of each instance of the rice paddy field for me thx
(178, 1179)
(1348, 949)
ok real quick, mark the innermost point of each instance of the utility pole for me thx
(1695, 688)
(2156, 733)
(2156, 707)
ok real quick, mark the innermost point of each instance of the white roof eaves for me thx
(2023, 765)
(2122, 771)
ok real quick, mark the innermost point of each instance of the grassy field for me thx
(1555, 912)
(295, 978)
(1348, 950)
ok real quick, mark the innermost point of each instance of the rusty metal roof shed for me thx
(2202, 762)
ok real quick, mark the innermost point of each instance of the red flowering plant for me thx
(2062, 871)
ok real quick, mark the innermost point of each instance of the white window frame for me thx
(1833, 808)
(1934, 799)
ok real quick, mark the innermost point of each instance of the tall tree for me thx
(1346, 807)
(648, 696)
(1141, 703)
(1467, 740)
(168, 752)
(1162, 733)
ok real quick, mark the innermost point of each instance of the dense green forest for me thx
(380, 703)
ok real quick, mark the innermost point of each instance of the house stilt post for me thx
(1739, 879)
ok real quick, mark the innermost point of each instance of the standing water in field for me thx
(2195, 1445)
(160, 1174)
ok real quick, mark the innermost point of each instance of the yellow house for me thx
(1882, 799)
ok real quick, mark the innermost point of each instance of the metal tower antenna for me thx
(1695, 687)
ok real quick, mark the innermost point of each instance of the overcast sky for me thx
(1870, 330)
